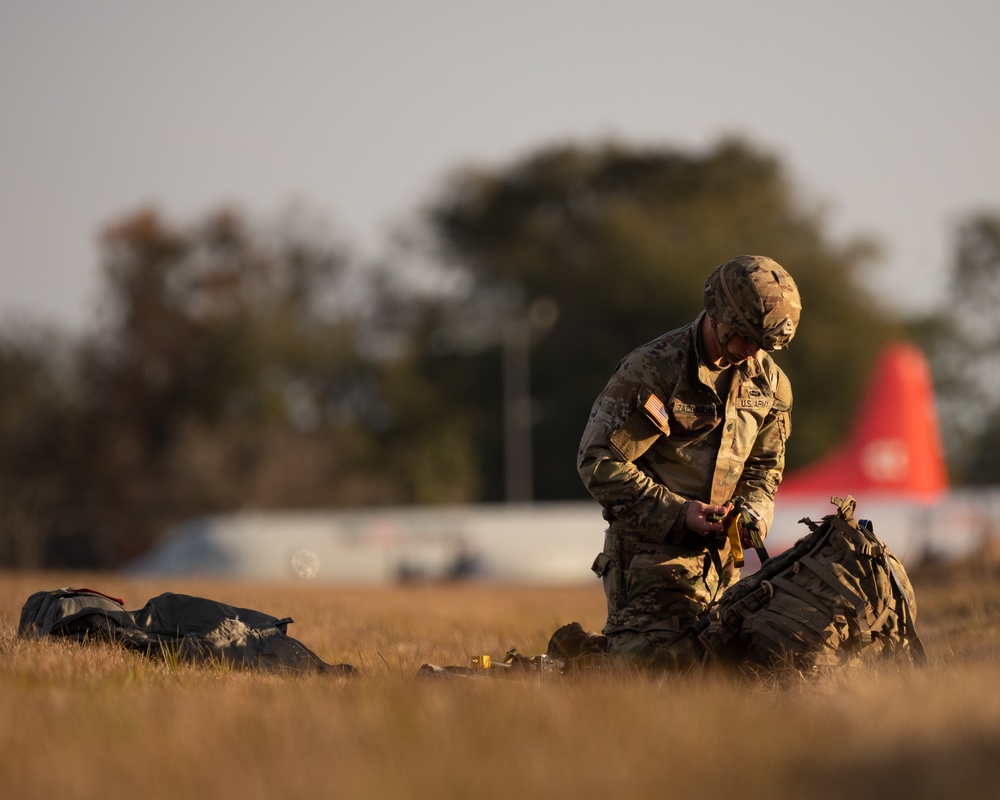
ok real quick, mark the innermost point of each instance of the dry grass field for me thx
(94, 721)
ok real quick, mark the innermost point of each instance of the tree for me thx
(38, 416)
(234, 366)
(963, 339)
(619, 241)
(227, 375)
(237, 365)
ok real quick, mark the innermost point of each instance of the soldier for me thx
(687, 423)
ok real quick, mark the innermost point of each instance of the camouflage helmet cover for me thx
(757, 298)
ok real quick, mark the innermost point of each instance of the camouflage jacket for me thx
(659, 435)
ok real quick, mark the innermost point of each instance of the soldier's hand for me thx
(704, 518)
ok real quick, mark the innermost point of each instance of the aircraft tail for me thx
(894, 449)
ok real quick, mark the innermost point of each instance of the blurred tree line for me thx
(962, 339)
(238, 365)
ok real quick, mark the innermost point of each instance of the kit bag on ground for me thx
(838, 595)
(176, 626)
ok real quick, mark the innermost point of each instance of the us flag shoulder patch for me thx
(656, 410)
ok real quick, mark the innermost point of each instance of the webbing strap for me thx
(713, 551)
(911, 631)
(860, 610)
(795, 616)
(758, 545)
(768, 631)
(861, 542)
(880, 620)
(796, 633)
(830, 578)
(801, 593)
(779, 632)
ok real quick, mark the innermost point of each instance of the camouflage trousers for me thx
(655, 593)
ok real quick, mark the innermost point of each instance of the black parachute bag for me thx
(190, 629)
(73, 613)
(838, 595)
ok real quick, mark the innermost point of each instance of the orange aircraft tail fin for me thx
(894, 448)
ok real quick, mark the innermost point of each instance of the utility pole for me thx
(518, 407)
(517, 410)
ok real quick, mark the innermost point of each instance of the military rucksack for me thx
(837, 595)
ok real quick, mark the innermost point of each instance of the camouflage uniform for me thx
(659, 435)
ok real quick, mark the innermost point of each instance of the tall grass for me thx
(95, 721)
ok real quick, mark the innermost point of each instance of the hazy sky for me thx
(887, 111)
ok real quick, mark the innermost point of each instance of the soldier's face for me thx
(740, 349)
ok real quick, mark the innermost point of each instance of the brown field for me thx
(94, 721)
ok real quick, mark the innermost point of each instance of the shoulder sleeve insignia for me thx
(657, 411)
(641, 429)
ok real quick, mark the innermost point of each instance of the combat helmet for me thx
(757, 298)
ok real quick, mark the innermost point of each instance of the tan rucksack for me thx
(839, 594)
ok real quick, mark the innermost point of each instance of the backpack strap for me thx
(920, 655)
(857, 602)
(716, 561)
(801, 593)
